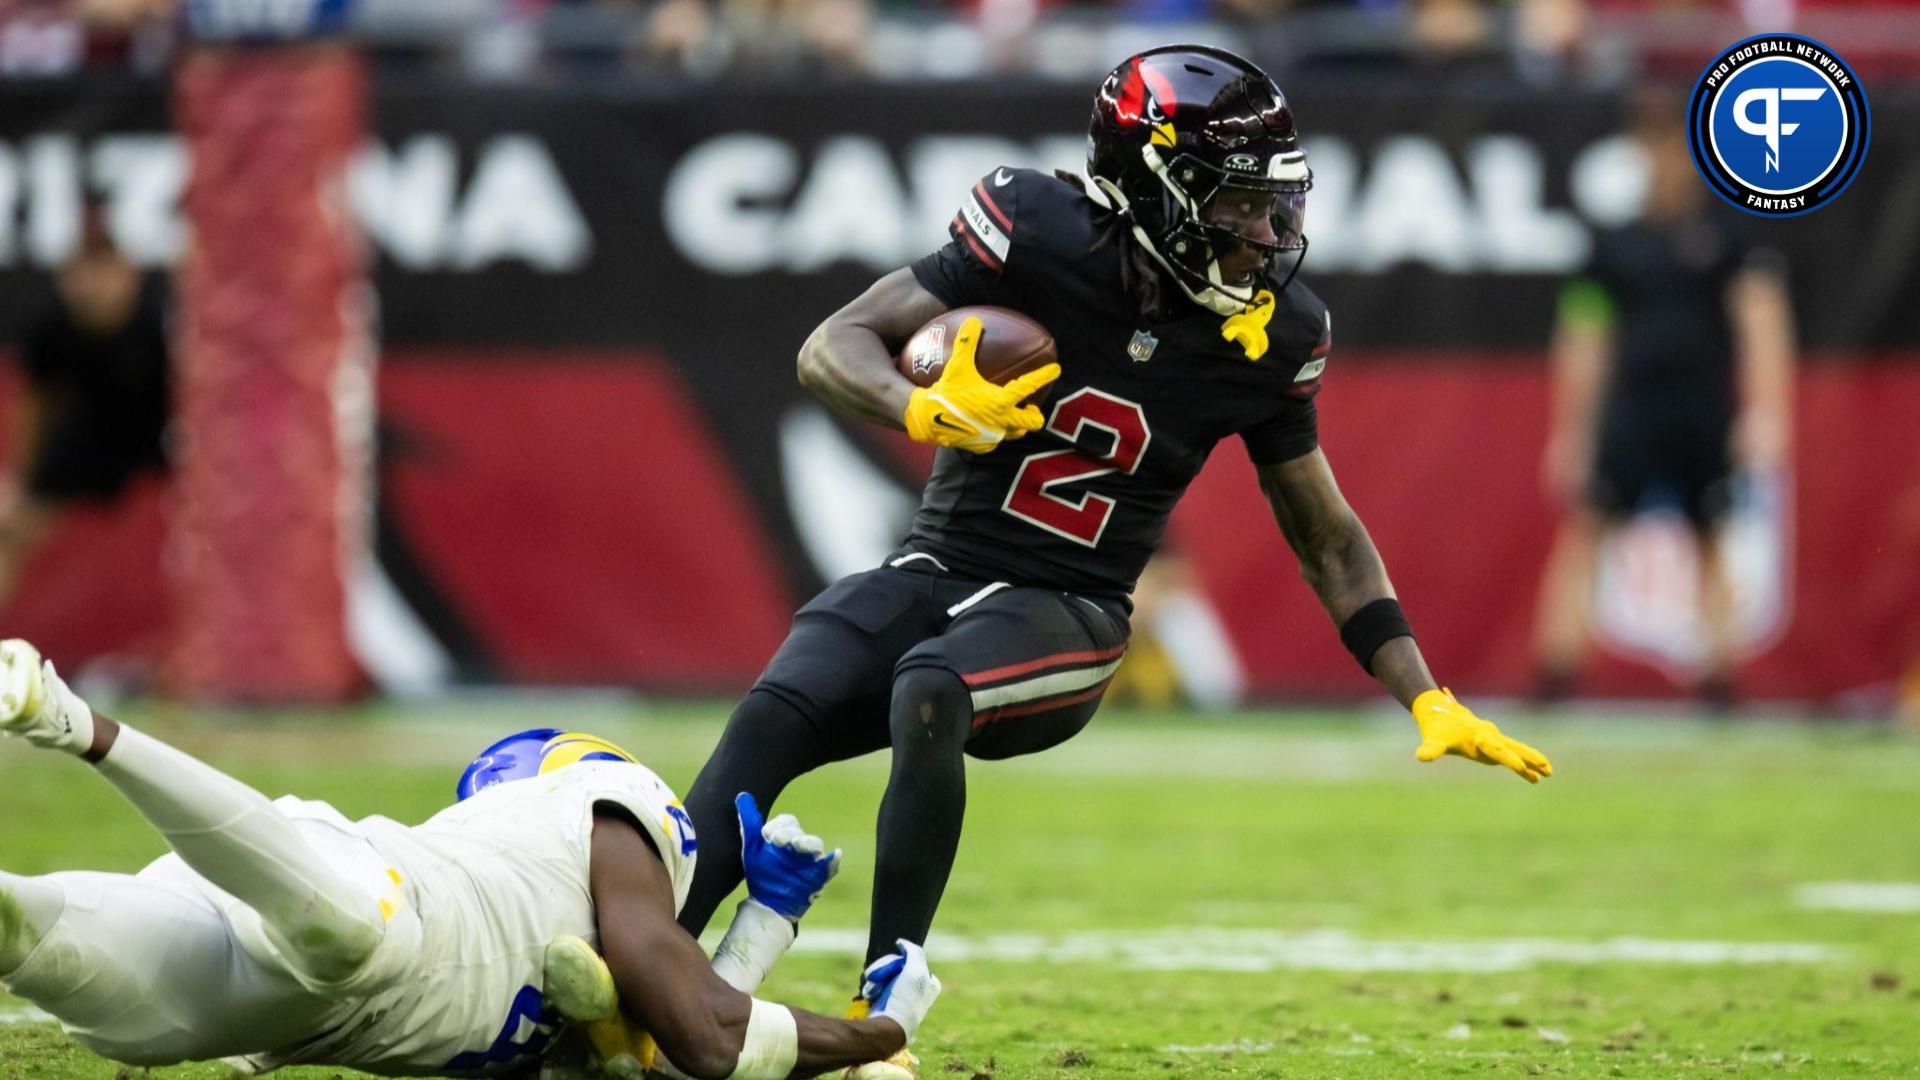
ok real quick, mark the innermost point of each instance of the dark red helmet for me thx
(1180, 126)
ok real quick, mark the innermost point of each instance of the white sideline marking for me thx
(26, 1014)
(1211, 949)
(1239, 1046)
(1893, 896)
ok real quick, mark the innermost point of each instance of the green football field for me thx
(1264, 895)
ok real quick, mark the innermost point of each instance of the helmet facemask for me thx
(1202, 219)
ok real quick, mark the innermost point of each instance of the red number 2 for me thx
(1035, 497)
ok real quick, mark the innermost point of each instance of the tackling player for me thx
(280, 932)
(1168, 286)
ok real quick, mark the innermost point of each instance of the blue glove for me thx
(785, 867)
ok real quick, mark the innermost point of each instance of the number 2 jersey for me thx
(475, 893)
(1082, 504)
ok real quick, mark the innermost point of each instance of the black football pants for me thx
(935, 666)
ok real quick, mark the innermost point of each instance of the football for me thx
(1010, 346)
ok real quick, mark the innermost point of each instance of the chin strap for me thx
(1249, 328)
(1215, 296)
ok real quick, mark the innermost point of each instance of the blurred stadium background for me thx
(483, 315)
(484, 311)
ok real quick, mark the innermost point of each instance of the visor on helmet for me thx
(1236, 211)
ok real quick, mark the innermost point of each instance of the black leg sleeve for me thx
(768, 742)
(921, 814)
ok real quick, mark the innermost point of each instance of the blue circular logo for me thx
(1778, 125)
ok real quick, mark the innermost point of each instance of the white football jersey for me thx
(475, 894)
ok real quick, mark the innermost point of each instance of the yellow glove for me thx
(1448, 727)
(965, 411)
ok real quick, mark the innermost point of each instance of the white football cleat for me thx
(901, 1066)
(36, 705)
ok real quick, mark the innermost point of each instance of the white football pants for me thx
(248, 938)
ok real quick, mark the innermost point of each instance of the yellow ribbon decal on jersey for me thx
(390, 906)
(572, 747)
(1249, 328)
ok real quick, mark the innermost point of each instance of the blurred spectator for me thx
(676, 29)
(796, 35)
(1445, 29)
(40, 37)
(1547, 35)
(62, 37)
(93, 409)
(769, 38)
(1672, 366)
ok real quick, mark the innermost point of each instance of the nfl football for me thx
(1010, 346)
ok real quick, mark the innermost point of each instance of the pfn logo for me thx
(1770, 128)
(1778, 125)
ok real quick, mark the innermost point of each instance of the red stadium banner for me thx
(577, 521)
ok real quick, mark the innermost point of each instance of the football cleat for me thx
(576, 981)
(577, 984)
(36, 705)
(901, 1066)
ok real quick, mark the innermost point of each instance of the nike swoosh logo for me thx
(940, 420)
(1001, 178)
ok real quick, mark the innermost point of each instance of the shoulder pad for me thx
(1012, 208)
(1305, 337)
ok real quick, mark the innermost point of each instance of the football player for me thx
(280, 932)
(1168, 285)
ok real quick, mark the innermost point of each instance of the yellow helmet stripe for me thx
(571, 747)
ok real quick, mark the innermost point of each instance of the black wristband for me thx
(1373, 626)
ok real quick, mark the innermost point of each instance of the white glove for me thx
(901, 988)
(785, 831)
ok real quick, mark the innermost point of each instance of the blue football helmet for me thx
(534, 753)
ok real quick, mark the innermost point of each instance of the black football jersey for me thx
(1081, 504)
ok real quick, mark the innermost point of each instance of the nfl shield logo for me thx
(1141, 347)
(929, 348)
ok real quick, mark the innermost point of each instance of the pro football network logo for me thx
(1778, 125)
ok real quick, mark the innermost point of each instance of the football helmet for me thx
(1181, 127)
(533, 753)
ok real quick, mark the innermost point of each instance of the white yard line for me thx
(1212, 949)
(1891, 897)
(1239, 1046)
(24, 1014)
